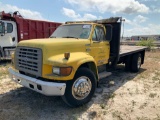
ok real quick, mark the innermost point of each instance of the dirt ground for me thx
(122, 96)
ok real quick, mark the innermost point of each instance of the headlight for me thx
(56, 70)
(62, 71)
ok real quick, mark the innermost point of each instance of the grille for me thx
(29, 60)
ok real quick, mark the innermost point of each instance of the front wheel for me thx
(81, 89)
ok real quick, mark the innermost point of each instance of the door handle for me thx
(88, 49)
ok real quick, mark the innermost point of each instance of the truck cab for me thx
(72, 61)
(94, 34)
(8, 37)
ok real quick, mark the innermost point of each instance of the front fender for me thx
(76, 59)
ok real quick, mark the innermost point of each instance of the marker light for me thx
(67, 55)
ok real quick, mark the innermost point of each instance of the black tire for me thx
(135, 66)
(69, 98)
(128, 63)
(0, 55)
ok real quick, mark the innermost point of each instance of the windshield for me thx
(72, 31)
(1, 28)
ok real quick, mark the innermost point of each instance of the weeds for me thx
(148, 43)
(112, 95)
(133, 103)
(156, 77)
(152, 95)
(73, 117)
(102, 106)
(92, 114)
(4, 70)
(142, 118)
(157, 118)
(117, 114)
(123, 102)
(143, 106)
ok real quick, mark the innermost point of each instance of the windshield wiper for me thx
(69, 37)
(53, 37)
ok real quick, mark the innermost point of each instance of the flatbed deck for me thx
(126, 50)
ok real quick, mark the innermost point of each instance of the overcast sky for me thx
(142, 16)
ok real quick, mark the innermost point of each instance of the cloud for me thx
(70, 13)
(127, 21)
(135, 27)
(150, 29)
(113, 6)
(89, 17)
(148, 0)
(135, 21)
(74, 16)
(138, 29)
(156, 10)
(140, 19)
(26, 13)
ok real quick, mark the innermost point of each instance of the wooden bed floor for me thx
(125, 49)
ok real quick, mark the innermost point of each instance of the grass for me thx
(123, 102)
(142, 118)
(117, 114)
(102, 106)
(156, 77)
(112, 95)
(73, 117)
(157, 118)
(92, 114)
(143, 106)
(152, 95)
(4, 70)
(133, 103)
(148, 43)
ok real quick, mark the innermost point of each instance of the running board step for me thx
(104, 74)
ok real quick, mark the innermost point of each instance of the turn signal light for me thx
(66, 71)
(62, 71)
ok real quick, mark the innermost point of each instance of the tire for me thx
(72, 97)
(128, 63)
(136, 62)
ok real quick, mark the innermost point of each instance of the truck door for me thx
(99, 46)
(9, 39)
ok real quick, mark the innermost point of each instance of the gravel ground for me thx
(122, 96)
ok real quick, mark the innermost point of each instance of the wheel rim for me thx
(139, 62)
(81, 88)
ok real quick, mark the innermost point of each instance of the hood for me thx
(56, 46)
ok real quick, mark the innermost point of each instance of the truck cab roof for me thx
(102, 21)
(84, 23)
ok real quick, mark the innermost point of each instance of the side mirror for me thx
(5, 28)
(108, 32)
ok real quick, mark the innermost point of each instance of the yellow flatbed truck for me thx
(72, 61)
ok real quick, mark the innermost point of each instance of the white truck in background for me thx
(15, 28)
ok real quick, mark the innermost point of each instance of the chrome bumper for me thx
(46, 88)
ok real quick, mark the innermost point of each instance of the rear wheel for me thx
(0, 55)
(128, 63)
(136, 62)
(81, 89)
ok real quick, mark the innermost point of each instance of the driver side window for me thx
(9, 27)
(98, 34)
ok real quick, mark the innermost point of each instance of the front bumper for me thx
(46, 88)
